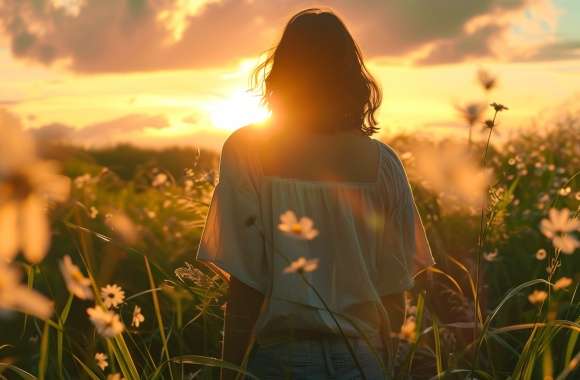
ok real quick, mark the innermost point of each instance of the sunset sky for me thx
(162, 72)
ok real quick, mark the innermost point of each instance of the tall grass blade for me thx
(158, 313)
(203, 361)
(43, 362)
(19, 371)
(438, 353)
(85, 368)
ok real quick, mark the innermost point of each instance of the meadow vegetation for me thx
(104, 284)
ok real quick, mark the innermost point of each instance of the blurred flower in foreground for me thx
(541, 254)
(115, 376)
(101, 360)
(486, 80)
(557, 228)
(107, 323)
(301, 229)
(112, 296)
(409, 330)
(562, 283)
(123, 226)
(17, 297)
(537, 296)
(472, 113)
(159, 179)
(138, 318)
(27, 184)
(566, 243)
(302, 265)
(455, 174)
(490, 256)
(76, 282)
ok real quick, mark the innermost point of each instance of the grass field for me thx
(501, 303)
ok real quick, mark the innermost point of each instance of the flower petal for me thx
(9, 237)
(35, 229)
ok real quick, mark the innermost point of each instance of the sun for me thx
(239, 109)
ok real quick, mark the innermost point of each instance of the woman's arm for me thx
(243, 308)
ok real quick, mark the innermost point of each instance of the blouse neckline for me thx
(326, 183)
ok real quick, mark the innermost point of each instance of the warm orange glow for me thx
(241, 108)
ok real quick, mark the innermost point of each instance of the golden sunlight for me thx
(239, 109)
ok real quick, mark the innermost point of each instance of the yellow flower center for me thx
(296, 228)
(77, 276)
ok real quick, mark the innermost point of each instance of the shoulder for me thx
(241, 140)
(391, 155)
(238, 155)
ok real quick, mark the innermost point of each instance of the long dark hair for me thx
(316, 74)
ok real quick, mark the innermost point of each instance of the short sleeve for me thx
(405, 247)
(231, 237)
(416, 245)
(423, 256)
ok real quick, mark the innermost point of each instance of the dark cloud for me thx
(556, 51)
(474, 45)
(127, 35)
(108, 132)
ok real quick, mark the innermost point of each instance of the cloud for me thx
(478, 44)
(8, 102)
(108, 132)
(556, 51)
(144, 35)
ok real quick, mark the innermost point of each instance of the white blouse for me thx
(366, 247)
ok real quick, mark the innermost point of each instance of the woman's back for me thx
(314, 220)
(364, 239)
(347, 156)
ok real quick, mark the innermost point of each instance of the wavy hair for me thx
(316, 73)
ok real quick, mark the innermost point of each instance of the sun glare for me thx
(239, 109)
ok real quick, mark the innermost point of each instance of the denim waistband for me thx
(301, 335)
(317, 356)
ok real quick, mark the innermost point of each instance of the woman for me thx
(313, 220)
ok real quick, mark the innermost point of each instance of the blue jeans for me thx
(315, 359)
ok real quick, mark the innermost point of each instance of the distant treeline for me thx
(128, 161)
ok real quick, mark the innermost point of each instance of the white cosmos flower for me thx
(76, 282)
(159, 179)
(566, 243)
(112, 295)
(107, 323)
(301, 229)
(541, 254)
(562, 283)
(27, 184)
(138, 318)
(490, 256)
(17, 297)
(558, 221)
(101, 360)
(537, 296)
(302, 265)
(409, 329)
(558, 227)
